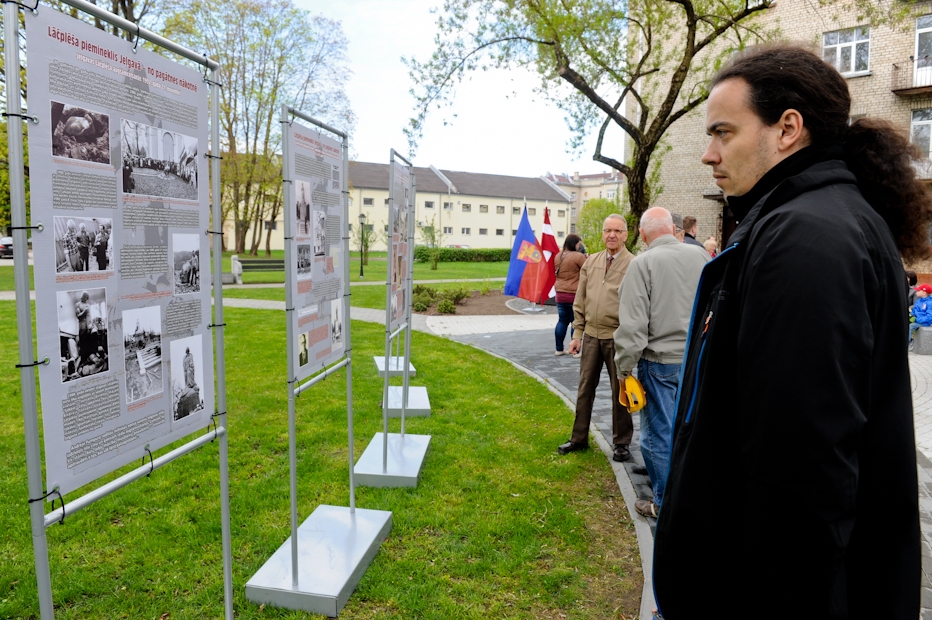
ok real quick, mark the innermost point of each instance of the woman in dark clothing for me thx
(567, 265)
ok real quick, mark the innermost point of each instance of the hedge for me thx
(462, 255)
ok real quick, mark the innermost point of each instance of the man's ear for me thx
(793, 133)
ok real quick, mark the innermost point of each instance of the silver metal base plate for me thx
(396, 366)
(405, 460)
(335, 547)
(418, 403)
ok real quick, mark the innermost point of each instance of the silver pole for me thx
(27, 374)
(346, 316)
(220, 361)
(288, 199)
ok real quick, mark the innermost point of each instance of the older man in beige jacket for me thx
(595, 320)
(655, 302)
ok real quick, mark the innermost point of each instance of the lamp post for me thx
(362, 225)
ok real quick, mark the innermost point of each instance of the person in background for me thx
(581, 248)
(654, 304)
(680, 232)
(710, 247)
(567, 265)
(690, 226)
(911, 280)
(596, 318)
(921, 311)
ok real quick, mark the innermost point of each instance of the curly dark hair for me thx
(783, 77)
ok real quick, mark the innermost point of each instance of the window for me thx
(921, 130)
(560, 234)
(514, 233)
(483, 231)
(572, 228)
(386, 202)
(610, 194)
(584, 203)
(367, 202)
(428, 204)
(483, 208)
(573, 196)
(848, 50)
(464, 231)
(448, 206)
(923, 73)
(532, 211)
(467, 208)
(271, 225)
(369, 227)
(448, 230)
(561, 213)
(499, 232)
(350, 226)
(500, 209)
(573, 212)
(516, 210)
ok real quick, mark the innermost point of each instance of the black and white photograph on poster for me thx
(400, 223)
(320, 233)
(304, 260)
(79, 133)
(186, 257)
(158, 162)
(187, 369)
(336, 323)
(82, 327)
(302, 192)
(142, 350)
(83, 244)
(302, 350)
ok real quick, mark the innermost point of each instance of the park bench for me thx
(922, 341)
(241, 265)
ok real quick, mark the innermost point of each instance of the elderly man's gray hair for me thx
(656, 220)
(624, 224)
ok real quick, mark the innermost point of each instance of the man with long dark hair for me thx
(793, 489)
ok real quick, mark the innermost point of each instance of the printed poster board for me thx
(401, 215)
(122, 269)
(314, 164)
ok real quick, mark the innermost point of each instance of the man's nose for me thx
(710, 157)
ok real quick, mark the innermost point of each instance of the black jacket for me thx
(793, 489)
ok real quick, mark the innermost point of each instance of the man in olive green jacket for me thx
(596, 318)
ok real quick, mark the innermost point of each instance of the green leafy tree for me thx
(270, 53)
(590, 220)
(636, 66)
(432, 236)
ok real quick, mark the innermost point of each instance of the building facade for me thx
(889, 74)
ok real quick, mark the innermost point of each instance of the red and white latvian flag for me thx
(550, 248)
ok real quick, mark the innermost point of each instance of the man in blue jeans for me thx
(655, 300)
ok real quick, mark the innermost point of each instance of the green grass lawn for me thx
(499, 526)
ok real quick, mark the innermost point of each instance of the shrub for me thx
(420, 288)
(422, 298)
(422, 254)
(419, 306)
(456, 294)
(446, 307)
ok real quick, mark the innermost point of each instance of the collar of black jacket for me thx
(791, 166)
(800, 171)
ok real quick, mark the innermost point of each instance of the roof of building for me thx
(567, 179)
(375, 176)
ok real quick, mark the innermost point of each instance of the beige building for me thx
(472, 209)
(585, 187)
(889, 73)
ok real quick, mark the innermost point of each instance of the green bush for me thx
(420, 289)
(424, 298)
(456, 294)
(446, 307)
(419, 306)
(462, 255)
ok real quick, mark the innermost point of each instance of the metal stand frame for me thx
(38, 519)
(320, 564)
(401, 456)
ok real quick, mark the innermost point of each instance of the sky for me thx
(500, 126)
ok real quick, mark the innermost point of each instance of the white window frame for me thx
(368, 202)
(922, 124)
(840, 49)
(500, 209)
(483, 231)
(448, 230)
(428, 204)
(464, 231)
(448, 206)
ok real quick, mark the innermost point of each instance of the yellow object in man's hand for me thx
(631, 394)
